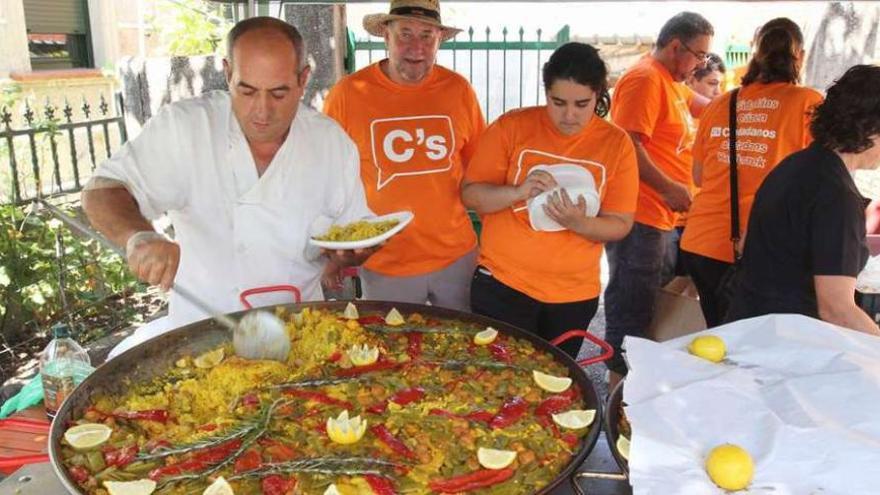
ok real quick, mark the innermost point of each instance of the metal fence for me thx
(505, 72)
(45, 148)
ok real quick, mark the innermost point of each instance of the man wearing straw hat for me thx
(415, 124)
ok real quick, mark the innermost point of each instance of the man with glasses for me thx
(653, 105)
(415, 124)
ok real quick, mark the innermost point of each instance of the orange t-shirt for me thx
(648, 101)
(772, 122)
(414, 142)
(553, 267)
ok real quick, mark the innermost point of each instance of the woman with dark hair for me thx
(772, 121)
(806, 241)
(708, 80)
(545, 278)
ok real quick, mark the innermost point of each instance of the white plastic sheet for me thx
(801, 395)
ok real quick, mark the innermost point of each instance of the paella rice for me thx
(357, 231)
(431, 401)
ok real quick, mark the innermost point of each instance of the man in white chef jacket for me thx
(245, 176)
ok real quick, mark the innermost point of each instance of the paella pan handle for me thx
(297, 297)
(595, 476)
(607, 350)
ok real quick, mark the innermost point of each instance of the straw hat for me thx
(427, 11)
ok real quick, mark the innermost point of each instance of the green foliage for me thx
(190, 27)
(30, 271)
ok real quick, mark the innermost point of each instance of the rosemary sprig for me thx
(205, 443)
(460, 364)
(379, 328)
(323, 465)
(317, 382)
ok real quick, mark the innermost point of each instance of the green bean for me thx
(141, 466)
(95, 461)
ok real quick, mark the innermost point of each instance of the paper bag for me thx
(677, 311)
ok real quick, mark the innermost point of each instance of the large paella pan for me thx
(442, 406)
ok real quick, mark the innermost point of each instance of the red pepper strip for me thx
(380, 485)
(371, 320)
(159, 415)
(79, 474)
(248, 461)
(120, 457)
(207, 427)
(319, 397)
(511, 411)
(414, 347)
(250, 400)
(571, 439)
(154, 445)
(553, 405)
(377, 366)
(378, 408)
(198, 461)
(275, 484)
(478, 479)
(404, 397)
(500, 352)
(277, 451)
(336, 356)
(388, 438)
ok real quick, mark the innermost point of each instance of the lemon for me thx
(623, 446)
(139, 487)
(332, 490)
(87, 436)
(394, 318)
(351, 312)
(346, 431)
(486, 337)
(709, 347)
(495, 459)
(730, 467)
(219, 487)
(550, 383)
(209, 359)
(576, 419)
(363, 355)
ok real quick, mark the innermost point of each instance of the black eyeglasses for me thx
(702, 57)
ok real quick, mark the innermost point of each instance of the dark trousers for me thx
(491, 298)
(707, 274)
(635, 264)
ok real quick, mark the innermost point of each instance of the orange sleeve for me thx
(490, 160)
(638, 104)
(622, 189)
(477, 126)
(333, 104)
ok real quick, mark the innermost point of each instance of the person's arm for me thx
(606, 227)
(484, 197)
(114, 212)
(697, 172)
(675, 194)
(697, 104)
(835, 297)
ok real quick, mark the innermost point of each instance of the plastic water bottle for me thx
(63, 365)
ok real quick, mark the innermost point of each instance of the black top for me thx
(808, 219)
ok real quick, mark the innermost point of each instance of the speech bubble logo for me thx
(416, 145)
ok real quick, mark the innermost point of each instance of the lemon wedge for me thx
(209, 359)
(351, 312)
(394, 318)
(550, 383)
(623, 446)
(332, 490)
(219, 487)
(363, 355)
(709, 347)
(495, 459)
(87, 436)
(576, 419)
(139, 487)
(730, 467)
(344, 430)
(486, 337)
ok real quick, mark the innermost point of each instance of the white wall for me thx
(13, 47)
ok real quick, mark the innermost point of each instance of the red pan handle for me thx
(33, 424)
(18, 461)
(607, 350)
(297, 297)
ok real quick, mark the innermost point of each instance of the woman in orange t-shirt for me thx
(772, 122)
(547, 281)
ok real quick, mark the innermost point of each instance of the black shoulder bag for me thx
(727, 285)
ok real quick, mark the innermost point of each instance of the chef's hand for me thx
(677, 196)
(153, 258)
(561, 209)
(536, 183)
(349, 257)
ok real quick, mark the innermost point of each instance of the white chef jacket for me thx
(236, 230)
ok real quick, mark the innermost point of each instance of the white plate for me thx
(577, 181)
(403, 217)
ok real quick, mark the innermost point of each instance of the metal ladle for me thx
(258, 335)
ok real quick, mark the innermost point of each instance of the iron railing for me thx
(492, 62)
(46, 132)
